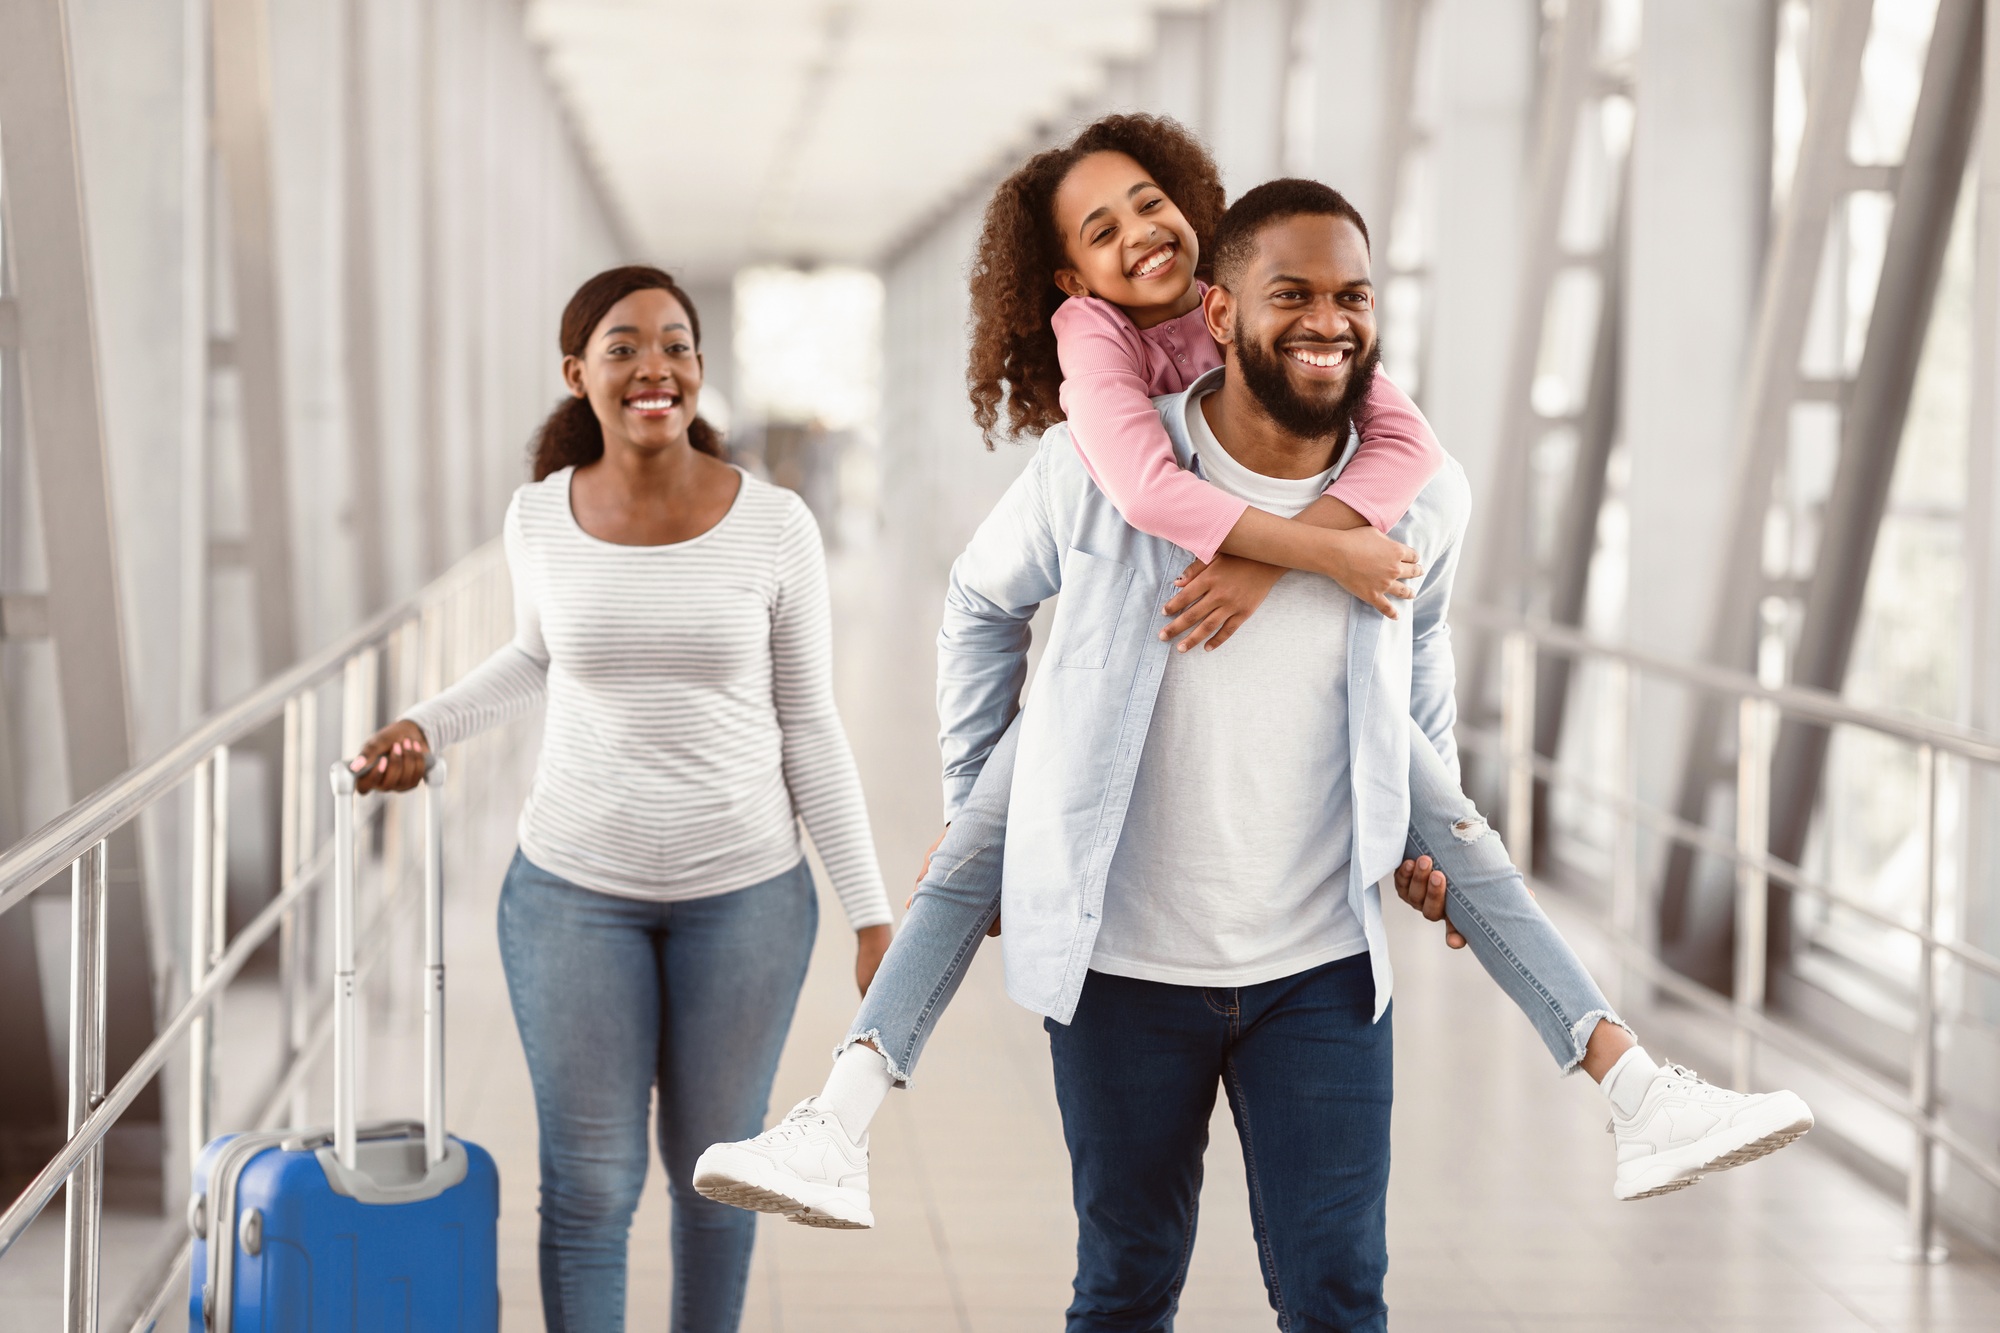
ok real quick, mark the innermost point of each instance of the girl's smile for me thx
(1155, 260)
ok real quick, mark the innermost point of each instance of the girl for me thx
(1094, 225)
(657, 919)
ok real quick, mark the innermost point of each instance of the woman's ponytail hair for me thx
(572, 436)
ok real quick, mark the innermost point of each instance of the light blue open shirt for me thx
(1055, 532)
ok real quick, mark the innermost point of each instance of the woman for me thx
(657, 918)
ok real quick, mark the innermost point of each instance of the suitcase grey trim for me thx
(364, 1184)
(217, 1298)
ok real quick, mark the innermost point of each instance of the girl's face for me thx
(1125, 241)
(640, 371)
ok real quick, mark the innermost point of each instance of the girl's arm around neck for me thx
(1399, 455)
(1116, 429)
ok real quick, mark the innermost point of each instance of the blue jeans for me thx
(1308, 1076)
(614, 996)
(1487, 900)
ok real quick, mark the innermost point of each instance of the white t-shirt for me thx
(1232, 867)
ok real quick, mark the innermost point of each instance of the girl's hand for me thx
(870, 943)
(1214, 600)
(1371, 566)
(392, 759)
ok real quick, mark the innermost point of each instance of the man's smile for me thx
(1320, 357)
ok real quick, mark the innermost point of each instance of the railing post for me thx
(218, 863)
(83, 1210)
(296, 943)
(1517, 727)
(208, 931)
(1922, 1246)
(1625, 849)
(1754, 741)
(200, 901)
(289, 861)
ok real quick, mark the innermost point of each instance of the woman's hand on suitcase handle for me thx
(870, 943)
(1422, 886)
(392, 759)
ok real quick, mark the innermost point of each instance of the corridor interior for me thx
(1500, 1208)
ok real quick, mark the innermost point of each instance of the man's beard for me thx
(1308, 418)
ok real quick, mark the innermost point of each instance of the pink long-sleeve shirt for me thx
(1112, 368)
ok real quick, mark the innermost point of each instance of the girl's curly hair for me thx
(1014, 294)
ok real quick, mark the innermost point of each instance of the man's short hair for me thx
(1273, 201)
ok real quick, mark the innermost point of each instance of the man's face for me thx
(1299, 326)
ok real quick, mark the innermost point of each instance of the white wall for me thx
(1700, 196)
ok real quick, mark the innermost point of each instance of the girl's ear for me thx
(573, 376)
(1071, 282)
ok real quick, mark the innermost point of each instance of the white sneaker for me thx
(1686, 1128)
(804, 1166)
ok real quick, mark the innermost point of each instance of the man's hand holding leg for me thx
(1422, 886)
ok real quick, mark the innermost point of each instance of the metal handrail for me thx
(458, 617)
(29, 863)
(1800, 700)
(1759, 708)
(30, 1202)
(1704, 839)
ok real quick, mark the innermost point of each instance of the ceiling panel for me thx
(804, 131)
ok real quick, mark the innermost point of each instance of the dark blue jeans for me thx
(1309, 1082)
(614, 996)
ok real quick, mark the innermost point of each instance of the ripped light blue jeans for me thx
(1486, 899)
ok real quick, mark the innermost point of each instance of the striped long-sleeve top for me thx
(690, 720)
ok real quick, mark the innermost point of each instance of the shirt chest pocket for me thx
(1094, 592)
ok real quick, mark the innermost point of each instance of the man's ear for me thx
(1071, 282)
(573, 376)
(1218, 311)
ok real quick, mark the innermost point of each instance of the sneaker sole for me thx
(742, 1185)
(812, 1217)
(1761, 1145)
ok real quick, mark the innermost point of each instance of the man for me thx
(1194, 839)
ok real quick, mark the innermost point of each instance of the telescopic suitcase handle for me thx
(344, 1129)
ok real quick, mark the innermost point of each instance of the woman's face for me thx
(640, 371)
(1125, 240)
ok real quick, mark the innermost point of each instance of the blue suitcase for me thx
(354, 1228)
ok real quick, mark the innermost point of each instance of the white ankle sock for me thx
(1625, 1086)
(856, 1087)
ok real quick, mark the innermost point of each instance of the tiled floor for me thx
(1500, 1208)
